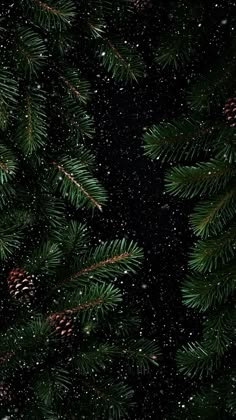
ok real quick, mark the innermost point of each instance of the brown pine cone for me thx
(5, 392)
(230, 111)
(21, 285)
(63, 324)
(142, 4)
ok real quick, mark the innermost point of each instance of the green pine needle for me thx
(96, 300)
(211, 216)
(73, 239)
(210, 254)
(219, 330)
(31, 130)
(96, 26)
(31, 51)
(8, 165)
(174, 141)
(45, 259)
(120, 60)
(80, 124)
(201, 179)
(51, 13)
(8, 87)
(75, 88)
(107, 261)
(110, 399)
(141, 353)
(202, 291)
(76, 183)
(196, 359)
(96, 358)
(174, 53)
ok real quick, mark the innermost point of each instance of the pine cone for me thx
(63, 324)
(6, 356)
(142, 4)
(5, 392)
(230, 111)
(21, 285)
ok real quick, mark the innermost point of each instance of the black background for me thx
(138, 207)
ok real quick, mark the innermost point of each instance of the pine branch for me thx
(10, 241)
(205, 291)
(183, 38)
(8, 87)
(51, 210)
(16, 219)
(8, 165)
(62, 42)
(207, 403)
(141, 353)
(231, 396)
(80, 124)
(109, 260)
(74, 87)
(73, 239)
(19, 344)
(31, 51)
(111, 400)
(196, 359)
(4, 114)
(211, 254)
(8, 95)
(96, 26)
(86, 157)
(174, 141)
(51, 13)
(219, 330)
(96, 299)
(46, 258)
(225, 145)
(95, 358)
(7, 194)
(31, 130)
(201, 179)
(175, 52)
(77, 184)
(123, 323)
(211, 216)
(120, 60)
(51, 384)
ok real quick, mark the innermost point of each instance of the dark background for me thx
(138, 207)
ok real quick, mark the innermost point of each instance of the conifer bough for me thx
(66, 334)
(201, 150)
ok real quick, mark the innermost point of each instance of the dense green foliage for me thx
(67, 341)
(200, 146)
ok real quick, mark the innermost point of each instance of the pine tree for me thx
(200, 146)
(67, 337)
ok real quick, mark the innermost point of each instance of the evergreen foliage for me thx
(67, 336)
(200, 147)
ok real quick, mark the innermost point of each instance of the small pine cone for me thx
(230, 111)
(62, 323)
(21, 285)
(6, 356)
(141, 4)
(5, 392)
